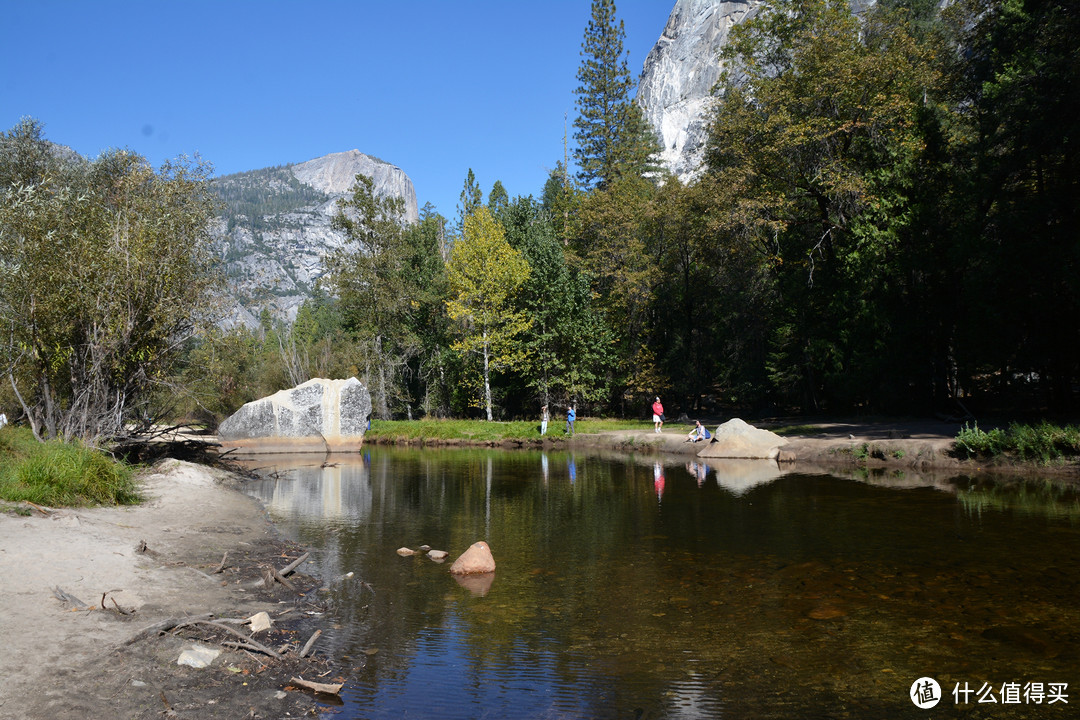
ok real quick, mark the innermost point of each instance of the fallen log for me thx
(329, 689)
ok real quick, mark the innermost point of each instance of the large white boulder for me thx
(739, 439)
(317, 416)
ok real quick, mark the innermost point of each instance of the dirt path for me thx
(60, 663)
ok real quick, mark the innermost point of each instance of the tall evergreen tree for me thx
(376, 284)
(471, 198)
(613, 137)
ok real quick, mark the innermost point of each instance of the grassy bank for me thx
(480, 431)
(1042, 443)
(58, 474)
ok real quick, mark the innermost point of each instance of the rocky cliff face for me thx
(676, 85)
(276, 229)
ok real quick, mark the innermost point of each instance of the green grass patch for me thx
(60, 474)
(483, 431)
(1044, 442)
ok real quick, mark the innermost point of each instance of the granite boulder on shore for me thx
(739, 439)
(319, 415)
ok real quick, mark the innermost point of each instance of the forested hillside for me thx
(886, 222)
(252, 196)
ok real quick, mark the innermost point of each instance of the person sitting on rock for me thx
(700, 432)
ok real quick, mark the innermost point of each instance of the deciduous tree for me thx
(105, 272)
(485, 274)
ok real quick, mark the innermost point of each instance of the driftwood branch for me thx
(221, 566)
(319, 687)
(281, 579)
(40, 508)
(270, 574)
(164, 626)
(116, 605)
(311, 642)
(197, 570)
(254, 643)
(294, 564)
(168, 711)
(248, 646)
(66, 597)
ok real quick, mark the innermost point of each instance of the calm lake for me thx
(632, 588)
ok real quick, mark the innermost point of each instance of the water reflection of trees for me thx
(811, 581)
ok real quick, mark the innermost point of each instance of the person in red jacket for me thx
(657, 416)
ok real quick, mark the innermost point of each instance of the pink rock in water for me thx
(477, 559)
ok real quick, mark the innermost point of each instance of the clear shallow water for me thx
(631, 589)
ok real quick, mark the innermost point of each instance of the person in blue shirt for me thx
(571, 416)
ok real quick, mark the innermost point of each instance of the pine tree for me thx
(613, 137)
(471, 198)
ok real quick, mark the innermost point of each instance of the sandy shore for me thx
(57, 662)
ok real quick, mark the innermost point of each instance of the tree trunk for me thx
(487, 377)
(380, 362)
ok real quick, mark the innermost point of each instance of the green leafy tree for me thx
(1017, 87)
(824, 140)
(431, 371)
(568, 348)
(618, 248)
(373, 281)
(485, 274)
(613, 138)
(105, 273)
(498, 198)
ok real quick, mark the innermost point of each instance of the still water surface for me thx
(628, 588)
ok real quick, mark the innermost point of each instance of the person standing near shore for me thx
(657, 416)
(571, 416)
(543, 420)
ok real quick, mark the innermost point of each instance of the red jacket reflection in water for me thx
(658, 480)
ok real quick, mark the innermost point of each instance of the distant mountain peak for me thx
(335, 174)
(277, 228)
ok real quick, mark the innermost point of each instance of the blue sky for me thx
(435, 87)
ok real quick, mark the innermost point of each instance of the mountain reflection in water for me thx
(638, 587)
